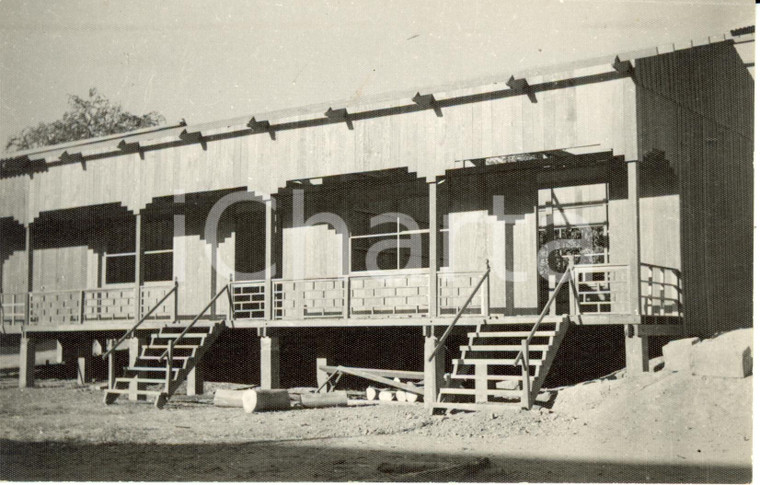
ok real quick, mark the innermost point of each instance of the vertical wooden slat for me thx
(138, 264)
(268, 228)
(433, 247)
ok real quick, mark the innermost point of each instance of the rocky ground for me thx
(658, 427)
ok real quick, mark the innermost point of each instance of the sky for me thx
(213, 60)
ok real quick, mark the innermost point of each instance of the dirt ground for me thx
(659, 427)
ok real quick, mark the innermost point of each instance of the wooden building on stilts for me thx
(614, 192)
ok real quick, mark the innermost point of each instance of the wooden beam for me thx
(622, 67)
(401, 374)
(138, 265)
(433, 248)
(340, 114)
(261, 126)
(131, 147)
(67, 157)
(428, 101)
(377, 378)
(268, 238)
(193, 137)
(521, 86)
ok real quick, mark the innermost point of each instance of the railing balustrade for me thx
(309, 298)
(74, 307)
(602, 288)
(104, 304)
(391, 293)
(454, 289)
(13, 308)
(661, 291)
(55, 308)
(248, 300)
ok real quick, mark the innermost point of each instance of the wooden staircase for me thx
(165, 363)
(491, 373)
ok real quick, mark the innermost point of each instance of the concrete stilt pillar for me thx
(433, 371)
(636, 353)
(26, 358)
(195, 380)
(135, 348)
(270, 362)
(322, 376)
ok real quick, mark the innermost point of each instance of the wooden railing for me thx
(390, 293)
(449, 329)
(523, 355)
(131, 332)
(454, 289)
(248, 299)
(371, 295)
(13, 308)
(602, 288)
(75, 307)
(172, 342)
(661, 291)
(309, 298)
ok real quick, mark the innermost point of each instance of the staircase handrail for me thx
(566, 278)
(131, 331)
(442, 342)
(171, 343)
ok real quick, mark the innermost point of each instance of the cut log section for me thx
(229, 398)
(373, 393)
(325, 400)
(257, 400)
(387, 395)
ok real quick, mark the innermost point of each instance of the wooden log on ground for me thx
(229, 398)
(372, 393)
(387, 395)
(408, 396)
(257, 400)
(325, 400)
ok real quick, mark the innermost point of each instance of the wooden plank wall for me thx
(587, 113)
(696, 106)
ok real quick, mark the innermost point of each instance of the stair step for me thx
(488, 378)
(493, 361)
(139, 392)
(174, 336)
(546, 321)
(488, 392)
(470, 406)
(141, 380)
(511, 334)
(153, 369)
(158, 357)
(501, 348)
(166, 346)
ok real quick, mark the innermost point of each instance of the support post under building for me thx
(195, 380)
(26, 359)
(270, 362)
(434, 369)
(135, 348)
(636, 346)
